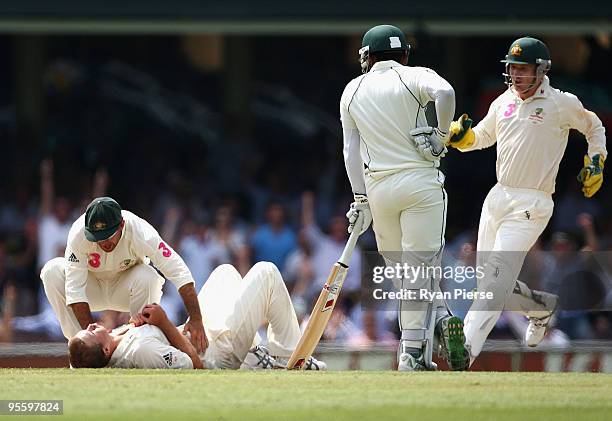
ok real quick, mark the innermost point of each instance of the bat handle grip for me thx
(345, 258)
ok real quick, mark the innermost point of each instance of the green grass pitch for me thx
(270, 395)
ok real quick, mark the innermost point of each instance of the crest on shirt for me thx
(537, 115)
(516, 50)
(125, 264)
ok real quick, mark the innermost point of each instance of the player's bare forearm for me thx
(82, 314)
(194, 325)
(190, 298)
(181, 342)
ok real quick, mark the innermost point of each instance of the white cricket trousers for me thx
(511, 221)
(409, 219)
(130, 291)
(234, 308)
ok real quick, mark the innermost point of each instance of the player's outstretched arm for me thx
(82, 313)
(149, 243)
(194, 325)
(466, 137)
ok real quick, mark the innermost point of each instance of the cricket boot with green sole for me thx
(451, 340)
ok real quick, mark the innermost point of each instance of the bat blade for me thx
(325, 304)
(319, 317)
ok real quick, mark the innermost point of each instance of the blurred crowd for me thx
(304, 243)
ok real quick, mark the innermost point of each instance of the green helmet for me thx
(528, 50)
(381, 38)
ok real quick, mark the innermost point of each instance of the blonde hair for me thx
(86, 356)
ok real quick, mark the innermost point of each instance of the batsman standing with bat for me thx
(530, 123)
(392, 158)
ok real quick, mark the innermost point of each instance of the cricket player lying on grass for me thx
(233, 309)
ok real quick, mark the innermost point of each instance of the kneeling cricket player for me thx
(233, 309)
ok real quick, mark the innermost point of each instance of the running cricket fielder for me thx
(233, 308)
(392, 158)
(530, 123)
(106, 267)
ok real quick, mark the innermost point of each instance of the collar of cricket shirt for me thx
(543, 89)
(386, 64)
(542, 92)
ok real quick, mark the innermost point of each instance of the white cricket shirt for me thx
(138, 242)
(532, 135)
(384, 105)
(146, 346)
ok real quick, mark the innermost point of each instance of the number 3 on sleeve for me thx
(166, 252)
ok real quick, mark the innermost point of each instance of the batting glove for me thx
(461, 134)
(591, 175)
(430, 142)
(360, 205)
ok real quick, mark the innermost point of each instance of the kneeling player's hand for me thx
(154, 315)
(138, 320)
(591, 175)
(197, 335)
(429, 141)
(360, 205)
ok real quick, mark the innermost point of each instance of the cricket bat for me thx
(325, 303)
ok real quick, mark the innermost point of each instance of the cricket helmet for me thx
(381, 38)
(528, 50)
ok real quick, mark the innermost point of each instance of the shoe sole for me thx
(457, 353)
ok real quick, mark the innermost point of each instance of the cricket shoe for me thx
(452, 343)
(259, 358)
(411, 359)
(310, 364)
(313, 364)
(409, 362)
(538, 325)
